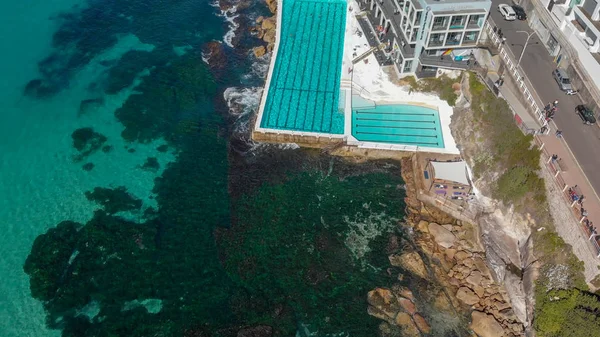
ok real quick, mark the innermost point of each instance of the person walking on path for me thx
(558, 134)
(554, 158)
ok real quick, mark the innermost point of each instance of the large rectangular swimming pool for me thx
(305, 84)
(398, 124)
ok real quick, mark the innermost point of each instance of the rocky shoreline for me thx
(447, 252)
(440, 250)
(265, 30)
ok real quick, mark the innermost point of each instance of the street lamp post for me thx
(529, 35)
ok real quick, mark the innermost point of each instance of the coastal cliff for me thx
(447, 252)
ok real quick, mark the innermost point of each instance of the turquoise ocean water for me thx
(216, 234)
(40, 185)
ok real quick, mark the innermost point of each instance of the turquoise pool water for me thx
(304, 89)
(398, 124)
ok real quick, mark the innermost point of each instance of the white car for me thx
(507, 12)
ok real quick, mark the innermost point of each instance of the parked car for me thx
(586, 114)
(507, 12)
(519, 12)
(562, 79)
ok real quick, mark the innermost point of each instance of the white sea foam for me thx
(206, 57)
(229, 15)
(242, 104)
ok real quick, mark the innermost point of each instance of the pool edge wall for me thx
(274, 52)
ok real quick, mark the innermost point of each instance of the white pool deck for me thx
(369, 81)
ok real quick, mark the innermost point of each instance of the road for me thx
(583, 140)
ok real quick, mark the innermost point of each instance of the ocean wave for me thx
(260, 67)
(242, 102)
(229, 15)
(206, 57)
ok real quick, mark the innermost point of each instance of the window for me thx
(407, 66)
(440, 23)
(457, 22)
(418, 18)
(470, 37)
(453, 39)
(589, 6)
(413, 37)
(474, 21)
(436, 39)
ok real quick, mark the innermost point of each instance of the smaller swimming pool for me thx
(398, 124)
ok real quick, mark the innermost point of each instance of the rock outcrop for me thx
(266, 29)
(410, 261)
(391, 306)
(452, 254)
(467, 296)
(442, 235)
(485, 325)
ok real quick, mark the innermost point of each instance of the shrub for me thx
(567, 313)
(441, 85)
(510, 150)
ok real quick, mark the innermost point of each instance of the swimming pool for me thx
(304, 90)
(398, 124)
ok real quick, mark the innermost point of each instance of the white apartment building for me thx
(424, 35)
(576, 25)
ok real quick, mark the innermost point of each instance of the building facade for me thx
(420, 36)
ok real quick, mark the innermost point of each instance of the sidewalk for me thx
(571, 174)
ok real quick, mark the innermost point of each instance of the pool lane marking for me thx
(297, 8)
(302, 92)
(338, 70)
(323, 56)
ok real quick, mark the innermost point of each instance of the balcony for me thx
(435, 43)
(439, 27)
(445, 62)
(587, 15)
(457, 26)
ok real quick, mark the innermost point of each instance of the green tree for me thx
(567, 313)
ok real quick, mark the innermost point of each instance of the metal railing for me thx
(533, 100)
(535, 103)
(555, 169)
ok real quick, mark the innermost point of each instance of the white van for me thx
(507, 12)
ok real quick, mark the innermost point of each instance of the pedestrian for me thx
(544, 129)
(558, 134)
(555, 103)
(554, 158)
(581, 199)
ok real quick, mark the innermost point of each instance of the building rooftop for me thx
(455, 171)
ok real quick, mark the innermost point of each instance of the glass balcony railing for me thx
(443, 26)
(458, 25)
(436, 43)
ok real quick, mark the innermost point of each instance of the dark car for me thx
(586, 114)
(521, 15)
